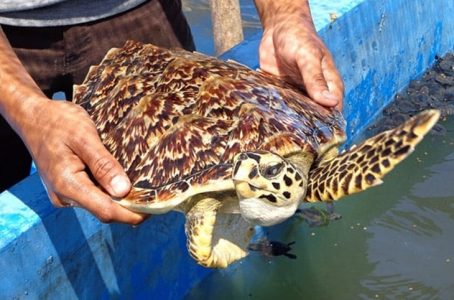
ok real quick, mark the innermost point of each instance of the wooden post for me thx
(227, 26)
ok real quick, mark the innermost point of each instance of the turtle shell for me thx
(172, 116)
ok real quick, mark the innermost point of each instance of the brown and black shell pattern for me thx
(175, 118)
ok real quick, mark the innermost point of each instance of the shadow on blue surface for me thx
(62, 235)
(77, 256)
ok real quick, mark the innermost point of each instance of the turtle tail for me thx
(364, 165)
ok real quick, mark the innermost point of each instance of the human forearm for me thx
(19, 95)
(273, 12)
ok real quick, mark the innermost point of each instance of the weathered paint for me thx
(378, 46)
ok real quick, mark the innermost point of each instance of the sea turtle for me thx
(228, 146)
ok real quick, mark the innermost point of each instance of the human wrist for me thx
(273, 12)
(22, 108)
(20, 96)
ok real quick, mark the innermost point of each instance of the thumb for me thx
(105, 168)
(109, 174)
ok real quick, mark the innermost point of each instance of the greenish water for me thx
(394, 241)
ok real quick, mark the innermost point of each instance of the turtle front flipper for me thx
(363, 166)
(216, 239)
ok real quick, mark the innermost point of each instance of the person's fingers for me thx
(310, 66)
(333, 79)
(73, 188)
(267, 57)
(82, 192)
(56, 201)
(63, 155)
(104, 167)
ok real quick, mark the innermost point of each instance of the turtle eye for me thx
(243, 156)
(272, 170)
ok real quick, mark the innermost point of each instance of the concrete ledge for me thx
(62, 254)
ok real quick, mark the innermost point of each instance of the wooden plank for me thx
(227, 26)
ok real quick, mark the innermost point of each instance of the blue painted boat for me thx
(378, 45)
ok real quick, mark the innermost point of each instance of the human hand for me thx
(291, 48)
(64, 142)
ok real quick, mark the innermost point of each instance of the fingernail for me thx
(329, 96)
(120, 185)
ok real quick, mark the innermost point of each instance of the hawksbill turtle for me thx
(228, 146)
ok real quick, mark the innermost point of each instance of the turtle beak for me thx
(242, 169)
(242, 177)
(244, 190)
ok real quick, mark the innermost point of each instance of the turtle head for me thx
(268, 187)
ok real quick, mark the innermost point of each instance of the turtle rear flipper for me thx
(273, 248)
(363, 166)
(216, 239)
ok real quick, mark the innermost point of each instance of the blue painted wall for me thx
(65, 253)
(378, 46)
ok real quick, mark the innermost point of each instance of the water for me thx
(394, 241)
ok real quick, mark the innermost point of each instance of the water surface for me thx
(394, 241)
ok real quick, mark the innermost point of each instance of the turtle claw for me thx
(316, 217)
(333, 216)
(272, 248)
(313, 216)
